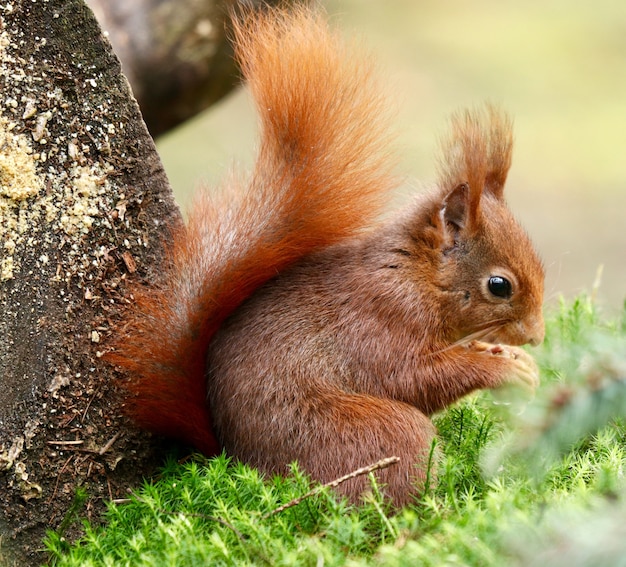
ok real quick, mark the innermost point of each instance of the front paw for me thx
(520, 369)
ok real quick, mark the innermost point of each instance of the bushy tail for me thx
(322, 174)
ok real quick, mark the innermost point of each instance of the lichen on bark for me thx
(83, 202)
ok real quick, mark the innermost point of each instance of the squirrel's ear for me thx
(459, 212)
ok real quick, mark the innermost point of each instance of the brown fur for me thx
(327, 343)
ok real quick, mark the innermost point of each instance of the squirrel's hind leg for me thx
(361, 430)
(338, 433)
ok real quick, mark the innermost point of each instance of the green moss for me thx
(511, 489)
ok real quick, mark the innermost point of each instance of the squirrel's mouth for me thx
(504, 331)
(517, 333)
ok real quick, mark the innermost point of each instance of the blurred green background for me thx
(558, 67)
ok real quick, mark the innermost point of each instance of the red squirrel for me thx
(291, 323)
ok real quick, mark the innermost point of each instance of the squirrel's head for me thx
(488, 272)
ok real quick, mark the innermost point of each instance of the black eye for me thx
(500, 287)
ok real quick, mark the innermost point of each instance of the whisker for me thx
(481, 333)
(554, 292)
(476, 335)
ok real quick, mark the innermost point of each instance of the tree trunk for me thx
(175, 53)
(84, 205)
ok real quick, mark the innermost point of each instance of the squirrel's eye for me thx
(500, 287)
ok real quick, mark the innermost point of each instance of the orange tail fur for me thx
(322, 174)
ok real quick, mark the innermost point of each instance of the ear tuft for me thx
(477, 152)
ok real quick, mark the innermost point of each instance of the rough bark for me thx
(175, 53)
(84, 205)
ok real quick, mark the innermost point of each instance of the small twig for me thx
(109, 487)
(93, 397)
(121, 500)
(56, 484)
(64, 443)
(379, 465)
(109, 443)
